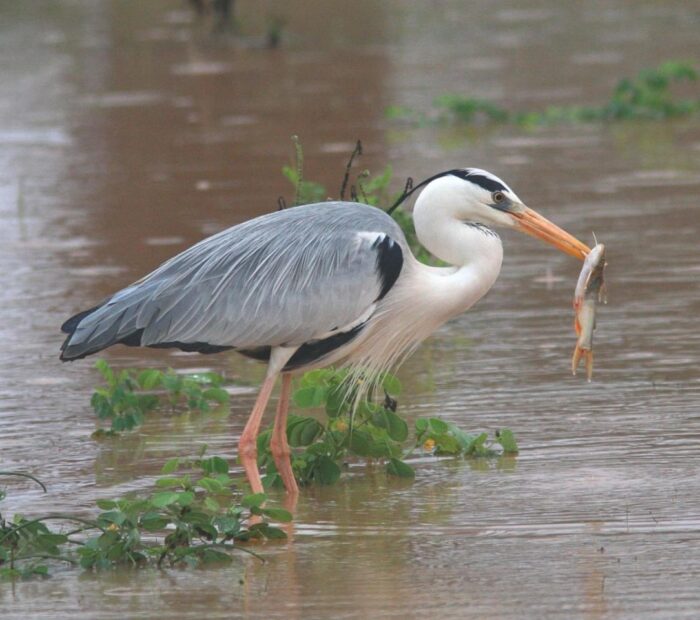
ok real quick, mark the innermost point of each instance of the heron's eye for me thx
(498, 197)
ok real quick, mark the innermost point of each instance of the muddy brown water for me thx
(128, 133)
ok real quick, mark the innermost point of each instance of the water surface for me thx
(128, 133)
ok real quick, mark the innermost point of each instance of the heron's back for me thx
(282, 278)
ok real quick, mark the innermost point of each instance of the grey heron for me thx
(319, 284)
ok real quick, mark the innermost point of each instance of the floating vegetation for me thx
(372, 431)
(194, 516)
(128, 395)
(648, 96)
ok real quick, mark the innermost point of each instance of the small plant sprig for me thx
(647, 96)
(367, 189)
(305, 192)
(373, 431)
(195, 516)
(128, 395)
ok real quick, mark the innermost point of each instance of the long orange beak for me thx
(532, 223)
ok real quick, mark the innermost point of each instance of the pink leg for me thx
(247, 445)
(278, 442)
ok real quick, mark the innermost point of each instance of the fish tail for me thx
(589, 365)
(575, 359)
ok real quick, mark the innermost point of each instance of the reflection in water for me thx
(126, 134)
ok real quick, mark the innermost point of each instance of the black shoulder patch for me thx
(489, 184)
(389, 263)
(189, 347)
(310, 352)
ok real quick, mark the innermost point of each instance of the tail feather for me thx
(132, 317)
(102, 335)
(72, 323)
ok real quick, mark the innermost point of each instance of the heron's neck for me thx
(474, 249)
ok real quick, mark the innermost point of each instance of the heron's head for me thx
(474, 195)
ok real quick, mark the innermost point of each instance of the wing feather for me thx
(285, 278)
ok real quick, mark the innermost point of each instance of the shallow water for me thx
(128, 133)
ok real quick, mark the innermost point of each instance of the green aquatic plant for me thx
(444, 438)
(365, 188)
(305, 192)
(470, 110)
(646, 96)
(369, 430)
(372, 430)
(194, 516)
(128, 395)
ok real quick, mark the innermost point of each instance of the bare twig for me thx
(356, 153)
(23, 475)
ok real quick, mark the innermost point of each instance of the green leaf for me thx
(438, 426)
(391, 385)
(310, 429)
(165, 498)
(215, 465)
(106, 504)
(149, 378)
(464, 440)
(169, 482)
(335, 401)
(396, 426)
(313, 396)
(220, 395)
(477, 447)
(46, 541)
(268, 531)
(211, 485)
(253, 500)
(113, 516)
(327, 470)
(396, 467)
(211, 504)
(210, 556)
(170, 466)
(153, 521)
(185, 498)
(302, 431)
(229, 526)
(507, 440)
(277, 514)
(316, 377)
(105, 371)
(447, 444)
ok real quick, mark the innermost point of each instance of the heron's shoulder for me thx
(342, 216)
(323, 223)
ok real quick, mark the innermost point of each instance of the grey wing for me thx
(284, 279)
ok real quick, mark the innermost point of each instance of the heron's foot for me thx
(282, 457)
(248, 455)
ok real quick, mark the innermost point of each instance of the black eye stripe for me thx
(490, 185)
(487, 183)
